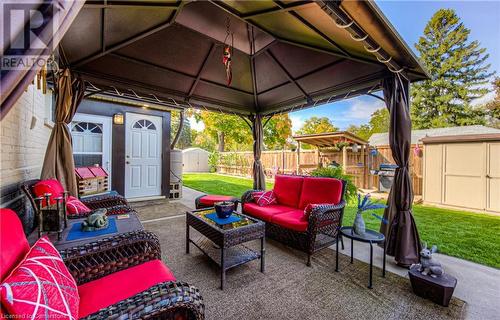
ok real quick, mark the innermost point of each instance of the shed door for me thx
(493, 177)
(464, 175)
(142, 155)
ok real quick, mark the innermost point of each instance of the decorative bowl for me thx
(224, 209)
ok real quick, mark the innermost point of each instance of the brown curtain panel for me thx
(259, 179)
(403, 241)
(58, 162)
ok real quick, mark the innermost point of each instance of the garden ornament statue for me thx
(96, 221)
(427, 265)
(365, 204)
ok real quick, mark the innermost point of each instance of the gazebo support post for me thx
(298, 158)
(259, 178)
(364, 164)
(344, 159)
(403, 241)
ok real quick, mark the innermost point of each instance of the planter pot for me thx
(224, 209)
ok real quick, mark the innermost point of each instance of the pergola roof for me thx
(287, 54)
(325, 140)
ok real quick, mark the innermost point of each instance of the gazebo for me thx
(254, 59)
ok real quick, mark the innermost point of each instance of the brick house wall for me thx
(22, 148)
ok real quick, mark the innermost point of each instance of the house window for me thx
(87, 143)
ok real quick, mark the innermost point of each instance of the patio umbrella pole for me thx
(403, 241)
(259, 179)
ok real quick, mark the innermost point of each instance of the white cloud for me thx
(297, 122)
(198, 126)
(362, 110)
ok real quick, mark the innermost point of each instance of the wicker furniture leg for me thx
(187, 238)
(352, 250)
(222, 268)
(262, 254)
(337, 253)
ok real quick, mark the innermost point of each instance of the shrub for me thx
(213, 161)
(336, 172)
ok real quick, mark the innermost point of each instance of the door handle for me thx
(127, 162)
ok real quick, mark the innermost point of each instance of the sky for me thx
(409, 18)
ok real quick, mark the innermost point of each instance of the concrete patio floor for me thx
(478, 285)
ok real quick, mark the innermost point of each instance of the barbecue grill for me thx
(385, 176)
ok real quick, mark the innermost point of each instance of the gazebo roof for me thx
(287, 54)
(329, 139)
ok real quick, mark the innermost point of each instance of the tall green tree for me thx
(493, 107)
(459, 73)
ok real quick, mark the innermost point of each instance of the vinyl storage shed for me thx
(195, 160)
(463, 171)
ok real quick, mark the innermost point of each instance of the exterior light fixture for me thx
(118, 118)
(355, 147)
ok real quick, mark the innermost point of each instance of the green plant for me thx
(336, 172)
(213, 161)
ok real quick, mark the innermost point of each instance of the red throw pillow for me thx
(264, 198)
(75, 207)
(51, 186)
(41, 287)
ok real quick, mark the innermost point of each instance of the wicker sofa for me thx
(286, 221)
(120, 277)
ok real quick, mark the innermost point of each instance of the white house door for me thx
(91, 137)
(142, 155)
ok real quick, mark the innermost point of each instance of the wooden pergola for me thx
(331, 140)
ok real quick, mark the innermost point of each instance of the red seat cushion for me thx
(287, 189)
(121, 285)
(51, 186)
(209, 200)
(13, 244)
(293, 220)
(41, 287)
(265, 213)
(320, 190)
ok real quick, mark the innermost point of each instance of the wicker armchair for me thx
(115, 204)
(322, 227)
(167, 300)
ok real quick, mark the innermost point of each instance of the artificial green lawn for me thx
(462, 234)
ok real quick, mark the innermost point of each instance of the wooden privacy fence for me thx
(285, 161)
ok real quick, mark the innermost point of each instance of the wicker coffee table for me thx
(225, 244)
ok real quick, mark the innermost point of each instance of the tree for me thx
(277, 131)
(458, 70)
(185, 139)
(379, 122)
(317, 125)
(232, 133)
(229, 131)
(493, 107)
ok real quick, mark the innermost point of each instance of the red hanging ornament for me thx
(226, 60)
(228, 52)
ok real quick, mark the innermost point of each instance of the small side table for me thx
(370, 237)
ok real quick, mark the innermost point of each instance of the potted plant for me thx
(365, 204)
